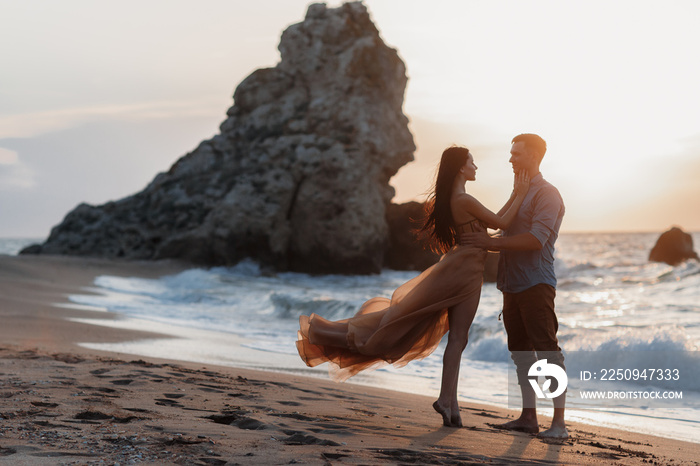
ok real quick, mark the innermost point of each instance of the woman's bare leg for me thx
(460, 318)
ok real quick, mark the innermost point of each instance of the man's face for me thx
(520, 157)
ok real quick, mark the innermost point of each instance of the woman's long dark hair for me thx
(439, 229)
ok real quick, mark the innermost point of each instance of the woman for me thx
(445, 296)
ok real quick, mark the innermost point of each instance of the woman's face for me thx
(469, 169)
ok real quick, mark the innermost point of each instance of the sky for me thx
(96, 98)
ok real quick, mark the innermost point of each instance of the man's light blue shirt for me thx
(541, 215)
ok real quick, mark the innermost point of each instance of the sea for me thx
(628, 327)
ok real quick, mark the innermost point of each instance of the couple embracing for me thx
(444, 298)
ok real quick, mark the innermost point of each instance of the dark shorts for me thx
(530, 320)
(532, 327)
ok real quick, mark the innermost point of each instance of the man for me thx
(526, 278)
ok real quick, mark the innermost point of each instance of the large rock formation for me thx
(673, 247)
(298, 178)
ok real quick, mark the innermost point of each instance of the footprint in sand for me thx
(7, 451)
(299, 438)
(99, 416)
(290, 403)
(331, 429)
(168, 402)
(100, 391)
(363, 411)
(209, 389)
(297, 416)
(44, 404)
(237, 419)
(121, 381)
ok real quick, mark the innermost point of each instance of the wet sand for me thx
(61, 403)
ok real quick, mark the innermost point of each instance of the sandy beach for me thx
(61, 403)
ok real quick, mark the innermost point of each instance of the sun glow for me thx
(609, 86)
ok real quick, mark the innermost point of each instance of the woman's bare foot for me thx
(455, 419)
(521, 425)
(445, 413)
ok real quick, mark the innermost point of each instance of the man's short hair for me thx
(533, 142)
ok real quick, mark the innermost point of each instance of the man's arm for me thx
(521, 242)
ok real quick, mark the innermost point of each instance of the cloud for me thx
(105, 159)
(14, 175)
(7, 157)
(25, 125)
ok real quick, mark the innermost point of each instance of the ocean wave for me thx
(573, 284)
(491, 348)
(596, 306)
(566, 269)
(291, 307)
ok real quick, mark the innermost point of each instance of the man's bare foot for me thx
(559, 432)
(445, 413)
(521, 425)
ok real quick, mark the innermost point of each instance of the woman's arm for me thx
(503, 219)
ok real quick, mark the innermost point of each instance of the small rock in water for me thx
(673, 247)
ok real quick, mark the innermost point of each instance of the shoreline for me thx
(63, 399)
(215, 349)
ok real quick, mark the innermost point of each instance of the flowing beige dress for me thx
(406, 327)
